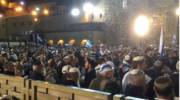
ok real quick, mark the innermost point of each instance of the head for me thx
(90, 64)
(127, 58)
(73, 74)
(106, 71)
(137, 78)
(101, 60)
(139, 63)
(158, 64)
(136, 83)
(149, 52)
(163, 87)
(177, 66)
(66, 68)
(51, 63)
(37, 67)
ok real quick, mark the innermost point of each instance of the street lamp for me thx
(37, 9)
(19, 9)
(1, 15)
(75, 12)
(3, 2)
(35, 19)
(88, 8)
(22, 3)
(178, 11)
(60, 42)
(34, 13)
(46, 12)
(141, 25)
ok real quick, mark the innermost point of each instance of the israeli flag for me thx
(88, 44)
(161, 42)
(174, 40)
(124, 4)
(39, 39)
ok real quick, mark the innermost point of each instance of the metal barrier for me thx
(24, 89)
(14, 86)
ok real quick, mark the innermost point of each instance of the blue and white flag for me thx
(88, 44)
(174, 39)
(124, 4)
(39, 39)
(161, 42)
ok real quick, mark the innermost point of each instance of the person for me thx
(158, 69)
(175, 78)
(90, 72)
(136, 85)
(172, 59)
(163, 88)
(104, 82)
(37, 71)
(72, 76)
(138, 63)
(51, 73)
(125, 66)
(149, 59)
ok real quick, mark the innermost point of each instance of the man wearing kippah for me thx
(163, 88)
(104, 82)
(138, 64)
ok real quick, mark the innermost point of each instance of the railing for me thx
(25, 89)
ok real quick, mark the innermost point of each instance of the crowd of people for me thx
(142, 73)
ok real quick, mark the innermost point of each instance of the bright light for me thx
(50, 42)
(22, 3)
(19, 9)
(75, 12)
(46, 12)
(83, 42)
(97, 11)
(178, 11)
(37, 9)
(35, 19)
(60, 42)
(88, 8)
(3, 2)
(34, 13)
(141, 25)
(72, 42)
(1, 15)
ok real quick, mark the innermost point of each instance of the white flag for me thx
(124, 4)
(161, 42)
(174, 40)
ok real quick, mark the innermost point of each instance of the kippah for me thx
(138, 58)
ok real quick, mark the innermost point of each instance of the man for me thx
(158, 69)
(135, 84)
(104, 82)
(125, 66)
(163, 88)
(72, 76)
(138, 63)
(37, 73)
(149, 59)
(51, 74)
(90, 72)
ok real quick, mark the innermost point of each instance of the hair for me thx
(136, 63)
(92, 62)
(163, 86)
(100, 60)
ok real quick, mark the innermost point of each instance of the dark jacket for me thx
(36, 76)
